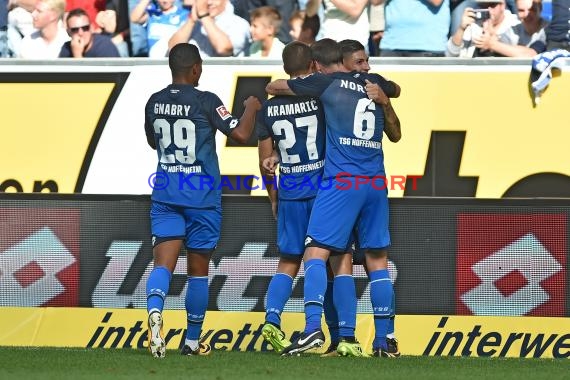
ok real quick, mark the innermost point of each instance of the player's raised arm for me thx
(247, 121)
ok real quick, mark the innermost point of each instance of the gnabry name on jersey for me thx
(293, 108)
(171, 109)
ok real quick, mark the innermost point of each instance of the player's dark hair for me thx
(326, 52)
(347, 47)
(182, 57)
(297, 58)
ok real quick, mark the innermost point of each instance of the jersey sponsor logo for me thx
(223, 112)
(511, 264)
(39, 266)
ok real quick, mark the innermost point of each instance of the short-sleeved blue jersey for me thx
(354, 123)
(182, 121)
(297, 125)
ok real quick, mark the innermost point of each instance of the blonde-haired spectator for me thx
(46, 41)
(265, 23)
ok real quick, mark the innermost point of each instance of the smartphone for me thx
(481, 15)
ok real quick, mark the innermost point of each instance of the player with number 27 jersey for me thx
(297, 125)
(181, 123)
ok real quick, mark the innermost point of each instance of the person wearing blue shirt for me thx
(296, 127)
(357, 113)
(180, 123)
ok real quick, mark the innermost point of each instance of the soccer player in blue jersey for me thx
(354, 58)
(295, 126)
(354, 160)
(180, 123)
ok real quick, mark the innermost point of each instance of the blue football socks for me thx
(157, 287)
(381, 292)
(345, 303)
(315, 289)
(196, 305)
(278, 294)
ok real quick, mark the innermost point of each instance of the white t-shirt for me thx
(35, 47)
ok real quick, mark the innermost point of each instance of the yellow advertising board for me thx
(476, 336)
(469, 129)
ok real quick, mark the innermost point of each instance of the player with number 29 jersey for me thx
(181, 123)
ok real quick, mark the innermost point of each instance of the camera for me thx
(481, 15)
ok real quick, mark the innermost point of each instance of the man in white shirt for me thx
(46, 41)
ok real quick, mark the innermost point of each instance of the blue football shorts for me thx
(292, 222)
(199, 227)
(337, 212)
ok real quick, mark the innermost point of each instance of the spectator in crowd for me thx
(265, 22)
(215, 29)
(4, 52)
(91, 7)
(20, 24)
(473, 39)
(114, 21)
(458, 7)
(530, 35)
(162, 19)
(286, 9)
(46, 41)
(343, 18)
(558, 31)
(304, 28)
(377, 25)
(137, 34)
(84, 43)
(415, 28)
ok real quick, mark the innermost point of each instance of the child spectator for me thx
(265, 23)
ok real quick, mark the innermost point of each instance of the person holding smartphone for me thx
(489, 22)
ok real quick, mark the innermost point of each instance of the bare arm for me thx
(265, 150)
(242, 132)
(218, 38)
(511, 50)
(312, 7)
(392, 126)
(279, 87)
(182, 35)
(391, 121)
(139, 15)
(353, 8)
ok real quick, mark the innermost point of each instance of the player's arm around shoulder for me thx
(392, 126)
(243, 131)
(279, 87)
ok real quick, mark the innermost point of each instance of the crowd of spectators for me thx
(48, 29)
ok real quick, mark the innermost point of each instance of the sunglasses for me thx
(85, 28)
(487, 5)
